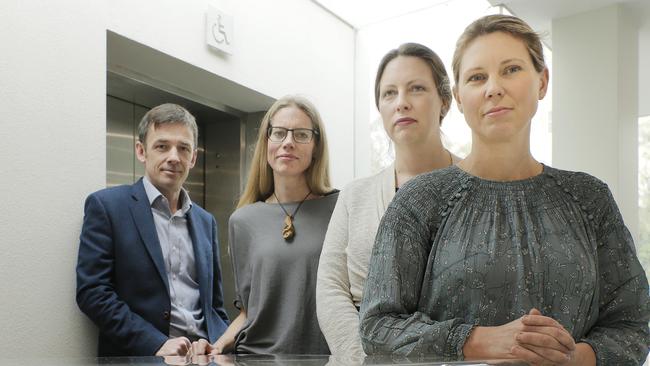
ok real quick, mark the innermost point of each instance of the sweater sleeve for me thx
(391, 322)
(337, 315)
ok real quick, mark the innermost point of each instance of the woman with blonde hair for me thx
(413, 95)
(276, 235)
(501, 256)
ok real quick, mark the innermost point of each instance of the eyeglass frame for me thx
(315, 133)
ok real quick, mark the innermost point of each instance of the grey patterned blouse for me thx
(454, 251)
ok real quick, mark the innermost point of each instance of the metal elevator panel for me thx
(120, 141)
(138, 112)
(222, 170)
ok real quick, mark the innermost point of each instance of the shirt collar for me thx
(154, 194)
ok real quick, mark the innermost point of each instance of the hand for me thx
(543, 341)
(222, 345)
(175, 347)
(201, 347)
(502, 342)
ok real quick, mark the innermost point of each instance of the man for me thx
(148, 269)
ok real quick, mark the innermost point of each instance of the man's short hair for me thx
(167, 113)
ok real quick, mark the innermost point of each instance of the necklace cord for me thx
(289, 231)
(297, 208)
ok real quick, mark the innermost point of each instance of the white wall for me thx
(52, 94)
(595, 101)
(644, 70)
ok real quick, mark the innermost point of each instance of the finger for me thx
(551, 327)
(180, 350)
(200, 347)
(218, 349)
(185, 345)
(526, 355)
(540, 320)
(542, 340)
(561, 336)
(539, 355)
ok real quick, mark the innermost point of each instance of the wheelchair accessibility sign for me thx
(219, 30)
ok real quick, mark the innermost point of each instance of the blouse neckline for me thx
(494, 184)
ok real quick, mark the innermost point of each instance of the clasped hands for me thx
(534, 338)
(180, 351)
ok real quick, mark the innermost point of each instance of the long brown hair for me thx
(260, 177)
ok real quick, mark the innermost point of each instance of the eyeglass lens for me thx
(300, 135)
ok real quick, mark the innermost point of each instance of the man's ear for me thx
(140, 152)
(194, 156)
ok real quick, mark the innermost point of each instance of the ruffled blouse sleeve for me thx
(620, 334)
(391, 322)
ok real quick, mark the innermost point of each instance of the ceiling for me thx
(539, 14)
(360, 13)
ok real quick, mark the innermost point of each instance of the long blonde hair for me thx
(260, 177)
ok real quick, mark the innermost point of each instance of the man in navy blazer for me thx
(148, 270)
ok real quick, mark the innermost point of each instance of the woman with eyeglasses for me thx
(276, 235)
(413, 95)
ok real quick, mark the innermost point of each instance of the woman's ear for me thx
(543, 84)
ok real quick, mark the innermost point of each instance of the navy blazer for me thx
(121, 280)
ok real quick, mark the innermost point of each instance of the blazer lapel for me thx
(141, 212)
(202, 255)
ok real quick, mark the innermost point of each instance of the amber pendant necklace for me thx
(289, 231)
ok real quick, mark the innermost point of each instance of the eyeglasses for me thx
(300, 135)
